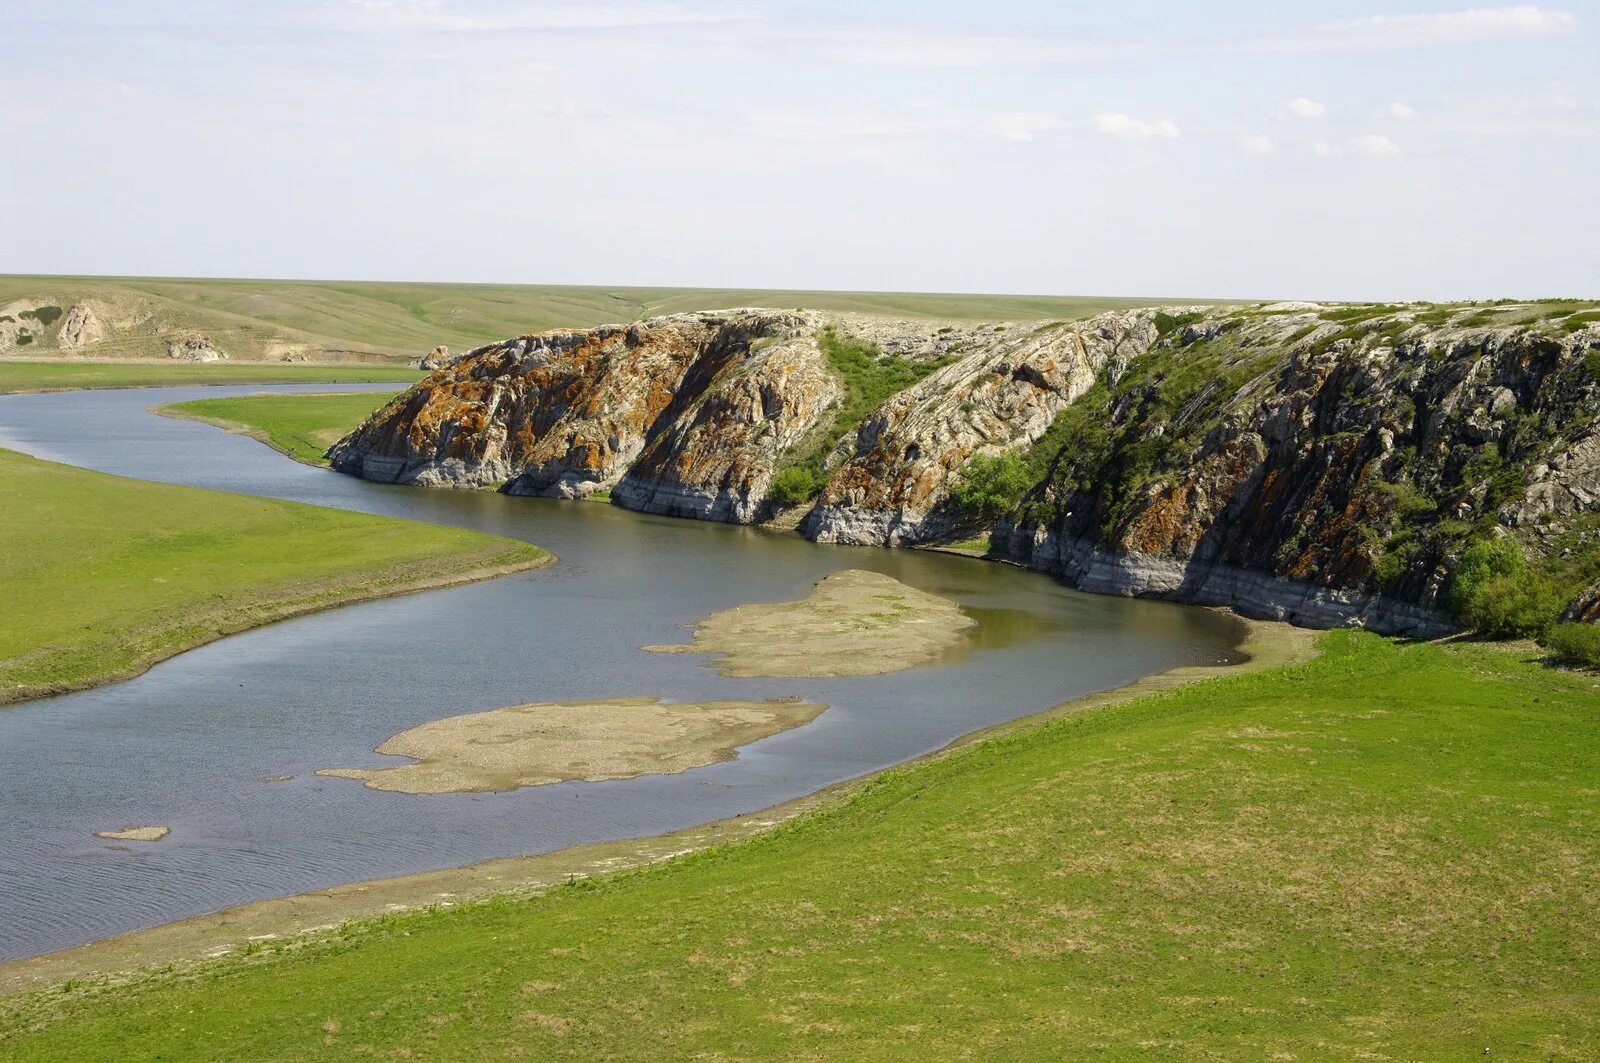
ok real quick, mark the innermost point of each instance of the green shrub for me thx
(44, 315)
(1521, 606)
(1574, 644)
(1167, 324)
(795, 485)
(990, 487)
(1482, 561)
(1409, 503)
(1496, 594)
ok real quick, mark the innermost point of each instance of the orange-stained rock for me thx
(1319, 464)
(566, 413)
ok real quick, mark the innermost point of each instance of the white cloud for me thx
(1255, 144)
(1377, 32)
(1370, 145)
(1300, 107)
(1126, 127)
(1400, 112)
(1374, 145)
(1023, 125)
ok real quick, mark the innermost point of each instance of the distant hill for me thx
(322, 321)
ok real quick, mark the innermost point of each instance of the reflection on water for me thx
(193, 743)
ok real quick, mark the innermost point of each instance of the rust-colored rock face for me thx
(715, 456)
(1320, 464)
(566, 413)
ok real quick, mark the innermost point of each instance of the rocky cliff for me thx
(1322, 464)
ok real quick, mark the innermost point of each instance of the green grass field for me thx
(343, 319)
(1390, 852)
(301, 426)
(104, 576)
(69, 376)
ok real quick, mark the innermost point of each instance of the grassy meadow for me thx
(301, 426)
(17, 376)
(340, 320)
(1389, 852)
(104, 576)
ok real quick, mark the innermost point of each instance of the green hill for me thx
(360, 320)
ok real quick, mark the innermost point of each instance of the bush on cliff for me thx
(992, 486)
(795, 485)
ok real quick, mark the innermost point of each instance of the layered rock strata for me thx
(1320, 464)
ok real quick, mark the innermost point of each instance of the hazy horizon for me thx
(1335, 151)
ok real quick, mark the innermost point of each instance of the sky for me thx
(1228, 149)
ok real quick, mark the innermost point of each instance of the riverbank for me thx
(242, 929)
(31, 377)
(1386, 851)
(108, 576)
(301, 426)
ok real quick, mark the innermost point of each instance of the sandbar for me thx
(854, 622)
(135, 834)
(532, 745)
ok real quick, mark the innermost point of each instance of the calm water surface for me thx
(191, 743)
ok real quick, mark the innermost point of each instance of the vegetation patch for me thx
(990, 486)
(1575, 644)
(870, 379)
(55, 376)
(301, 426)
(104, 575)
(44, 315)
(1577, 322)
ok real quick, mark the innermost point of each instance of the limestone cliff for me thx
(1004, 396)
(700, 406)
(1324, 464)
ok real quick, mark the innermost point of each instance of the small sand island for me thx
(853, 623)
(135, 834)
(531, 745)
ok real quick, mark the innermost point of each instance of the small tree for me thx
(795, 485)
(1496, 594)
(990, 487)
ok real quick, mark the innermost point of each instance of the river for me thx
(194, 742)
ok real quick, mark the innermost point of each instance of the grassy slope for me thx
(349, 318)
(103, 575)
(301, 426)
(63, 376)
(1390, 852)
